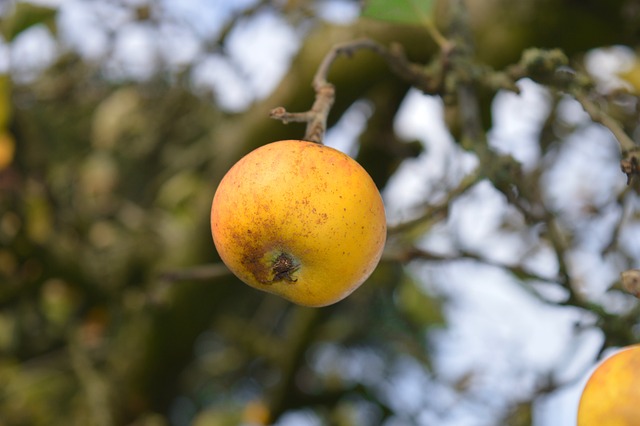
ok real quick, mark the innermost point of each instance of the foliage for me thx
(402, 12)
(114, 307)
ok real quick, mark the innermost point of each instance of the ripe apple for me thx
(611, 396)
(300, 220)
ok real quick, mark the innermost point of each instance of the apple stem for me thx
(316, 117)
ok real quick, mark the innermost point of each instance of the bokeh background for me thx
(495, 295)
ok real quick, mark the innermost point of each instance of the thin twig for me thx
(443, 43)
(630, 162)
(599, 116)
(415, 253)
(435, 212)
(316, 117)
(626, 210)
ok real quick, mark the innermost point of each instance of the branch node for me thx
(630, 164)
(279, 113)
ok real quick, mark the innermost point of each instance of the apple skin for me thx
(300, 220)
(611, 396)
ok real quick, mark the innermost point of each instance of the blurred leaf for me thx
(98, 174)
(25, 16)
(57, 301)
(256, 413)
(520, 415)
(8, 327)
(421, 308)
(5, 100)
(36, 394)
(150, 419)
(7, 149)
(39, 219)
(632, 76)
(219, 416)
(399, 11)
(7, 142)
(117, 118)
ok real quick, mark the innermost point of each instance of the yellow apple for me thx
(611, 396)
(300, 220)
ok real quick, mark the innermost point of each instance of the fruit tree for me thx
(434, 204)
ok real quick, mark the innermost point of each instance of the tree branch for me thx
(551, 67)
(316, 117)
(599, 116)
(630, 162)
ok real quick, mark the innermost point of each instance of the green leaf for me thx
(26, 15)
(399, 11)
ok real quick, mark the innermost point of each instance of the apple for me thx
(611, 396)
(300, 220)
